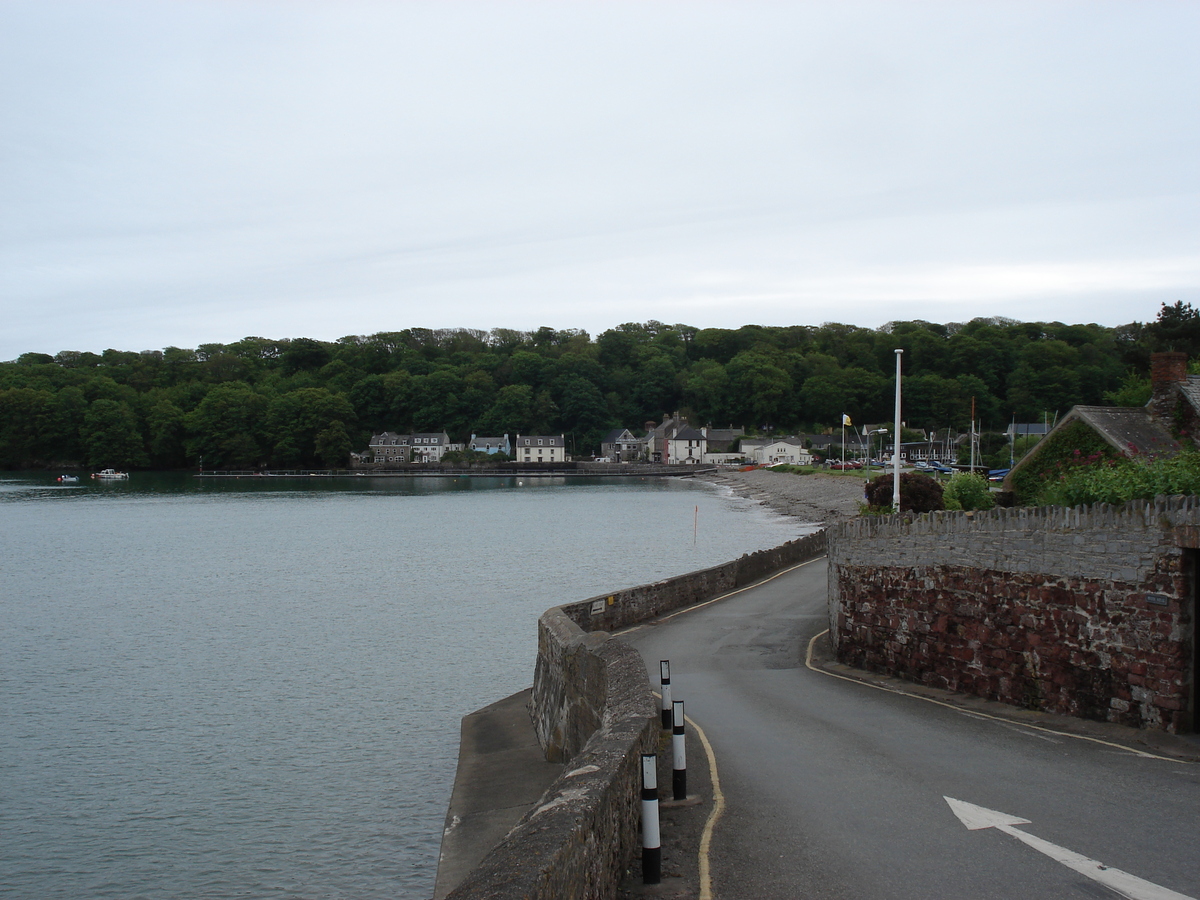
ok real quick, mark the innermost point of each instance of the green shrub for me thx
(1119, 481)
(1075, 446)
(966, 490)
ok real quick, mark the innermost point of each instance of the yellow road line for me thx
(711, 824)
(970, 712)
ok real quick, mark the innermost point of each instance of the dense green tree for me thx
(215, 398)
(226, 428)
(112, 436)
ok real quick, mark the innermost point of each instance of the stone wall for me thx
(620, 609)
(593, 709)
(1087, 612)
(584, 831)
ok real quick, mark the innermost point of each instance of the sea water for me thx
(222, 688)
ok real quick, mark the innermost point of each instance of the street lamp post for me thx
(896, 453)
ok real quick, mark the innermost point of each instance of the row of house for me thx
(673, 441)
(391, 448)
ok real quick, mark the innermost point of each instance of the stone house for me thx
(621, 445)
(390, 448)
(1161, 428)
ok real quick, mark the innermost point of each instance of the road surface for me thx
(836, 789)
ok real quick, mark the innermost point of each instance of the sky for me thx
(180, 173)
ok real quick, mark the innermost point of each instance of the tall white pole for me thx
(896, 453)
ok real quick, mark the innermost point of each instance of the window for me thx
(539, 442)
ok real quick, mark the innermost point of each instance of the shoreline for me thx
(817, 499)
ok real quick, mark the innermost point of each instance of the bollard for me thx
(679, 753)
(664, 668)
(651, 841)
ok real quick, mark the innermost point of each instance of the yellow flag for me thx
(846, 420)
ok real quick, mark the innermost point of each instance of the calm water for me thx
(222, 689)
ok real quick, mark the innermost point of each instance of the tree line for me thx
(304, 402)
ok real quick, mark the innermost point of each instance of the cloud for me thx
(189, 172)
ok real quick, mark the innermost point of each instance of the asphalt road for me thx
(835, 789)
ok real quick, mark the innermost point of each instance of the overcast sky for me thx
(177, 173)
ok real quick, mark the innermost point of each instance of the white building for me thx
(541, 448)
(685, 446)
(431, 446)
(776, 451)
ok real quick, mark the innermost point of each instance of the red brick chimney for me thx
(1167, 368)
(1166, 371)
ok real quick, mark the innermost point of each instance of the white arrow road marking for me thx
(977, 817)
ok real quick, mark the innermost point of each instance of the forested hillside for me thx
(305, 402)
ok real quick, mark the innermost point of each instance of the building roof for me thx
(1016, 428)
(687, 433)
(1128, 429)
(389, 438)
(620, 436)
(551, 440)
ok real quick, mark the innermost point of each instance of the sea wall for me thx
(1087, 612)
(578, 840)
(593, 709)
(620, 609)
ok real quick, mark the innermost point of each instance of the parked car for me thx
(935, 467)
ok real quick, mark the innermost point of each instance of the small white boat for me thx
(110, 475)
(68, 479)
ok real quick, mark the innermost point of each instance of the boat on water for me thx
(68, 479)
(110, 475)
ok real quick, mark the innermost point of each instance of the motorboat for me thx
(110, 475)
(68, 479)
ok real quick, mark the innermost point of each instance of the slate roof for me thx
(552, 440)
(688, 433)
(1127, 429)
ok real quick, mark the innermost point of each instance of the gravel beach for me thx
(817, 498)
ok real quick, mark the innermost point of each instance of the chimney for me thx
(1166, 371)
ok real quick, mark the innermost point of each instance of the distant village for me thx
(674, 441)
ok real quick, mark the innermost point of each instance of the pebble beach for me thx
(818, 498)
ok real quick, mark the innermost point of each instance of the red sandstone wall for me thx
(1064, 624)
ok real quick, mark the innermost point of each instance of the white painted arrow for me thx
(976, 817)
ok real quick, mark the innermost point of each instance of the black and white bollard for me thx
(678, 753)
(664, 668)
(651, 840)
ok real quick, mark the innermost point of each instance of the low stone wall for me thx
(579, 839)
(620, 609)
(1087, 612)
(593, 709)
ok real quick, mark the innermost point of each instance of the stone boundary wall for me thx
(580, 837)
(620, 609)
(593, 709)
(1086, 611)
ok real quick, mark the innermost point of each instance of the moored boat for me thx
(68, 479)
(110, 475)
